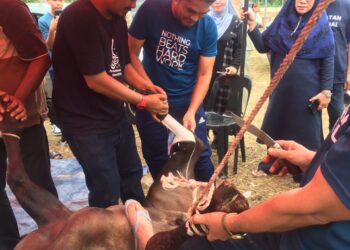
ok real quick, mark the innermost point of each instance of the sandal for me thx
(258, 173)
(55, 155)
(139, 213)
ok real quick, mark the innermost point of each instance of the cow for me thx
(109, 228)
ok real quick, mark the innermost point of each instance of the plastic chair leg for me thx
(235, 161)
(242, 145)
(222, 146)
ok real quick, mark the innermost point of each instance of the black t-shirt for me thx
(86, 43)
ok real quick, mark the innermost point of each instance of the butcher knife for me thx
(266, 139)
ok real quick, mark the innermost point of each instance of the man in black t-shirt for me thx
(91, 62)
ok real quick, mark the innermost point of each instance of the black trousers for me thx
(35, 156)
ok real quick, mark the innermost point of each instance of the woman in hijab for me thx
(229, 28)
(294, 110)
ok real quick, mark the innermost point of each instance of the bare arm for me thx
(137, 81)
(290, 210)
(294, 209)
(32, 78)
(205, 68)
(52, 33)
(135, 46)
(30, 82)
(106, 85)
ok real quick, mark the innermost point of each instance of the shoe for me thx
(55, 130)
(55, 155)
(258, 173)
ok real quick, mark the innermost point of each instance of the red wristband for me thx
(142, 103)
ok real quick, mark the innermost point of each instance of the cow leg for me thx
(41, 205)
(227, 198)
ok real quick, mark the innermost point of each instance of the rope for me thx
(287, 61)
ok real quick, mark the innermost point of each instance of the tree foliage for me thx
(274, 3)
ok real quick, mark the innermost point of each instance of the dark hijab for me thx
(282, 33)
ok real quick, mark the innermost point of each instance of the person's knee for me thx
(204, 169)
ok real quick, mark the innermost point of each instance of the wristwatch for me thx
(142, 103)
(327, 93)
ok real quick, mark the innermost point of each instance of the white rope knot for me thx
(2, 134)
(171, 181)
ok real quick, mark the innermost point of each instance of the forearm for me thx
(199, 92)
(50, 39)
(314, 204)
(205, 70)
(280, 213)
(138, 66)
(33, 77)
(135, 79)
(106, 85)
(135, 46)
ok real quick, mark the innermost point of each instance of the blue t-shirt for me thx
(334, 159)
(44, 23)
(171, 51)
(339, 19)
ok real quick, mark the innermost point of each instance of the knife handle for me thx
(293, 169)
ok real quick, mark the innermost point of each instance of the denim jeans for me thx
(35, 156)
(336, 106)
(263, 241)
(52, 114)
(111, 165)
(154, 138)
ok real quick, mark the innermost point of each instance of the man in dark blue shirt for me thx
(314, 216)
(180, 45)
(339, 19)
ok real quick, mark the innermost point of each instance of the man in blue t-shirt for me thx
(339, 19)
(92, 64)
(314, 216)
(179, 43)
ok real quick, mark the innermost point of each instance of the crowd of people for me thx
(185, 43)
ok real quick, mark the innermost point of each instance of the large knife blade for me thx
(261, 135)
(266, 139)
